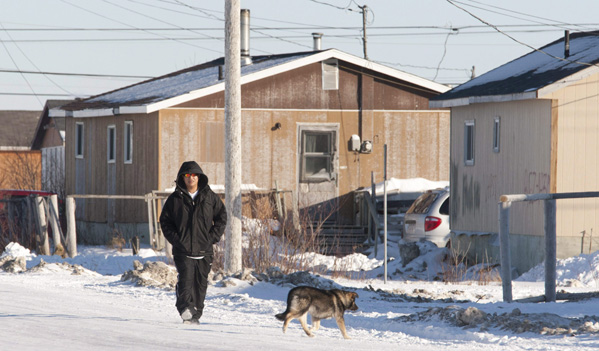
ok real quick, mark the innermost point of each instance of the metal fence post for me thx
(550, 250)
(504, 250)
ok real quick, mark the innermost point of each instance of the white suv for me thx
(428, 218)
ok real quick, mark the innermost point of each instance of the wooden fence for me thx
(26, 220)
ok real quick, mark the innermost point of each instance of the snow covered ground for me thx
(83, 303)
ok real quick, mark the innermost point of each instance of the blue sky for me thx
(133, 39)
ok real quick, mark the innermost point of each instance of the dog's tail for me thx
(281, 316)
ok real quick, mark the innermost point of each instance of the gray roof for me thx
(18, 128)
(200, 80)
(528, 74)
(177, 83)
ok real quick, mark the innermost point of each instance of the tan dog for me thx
(321, 304)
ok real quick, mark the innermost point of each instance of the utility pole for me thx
(233, 263)
(364, 15)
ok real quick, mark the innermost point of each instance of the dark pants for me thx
(192, 283)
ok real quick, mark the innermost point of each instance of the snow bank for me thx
(581, 270)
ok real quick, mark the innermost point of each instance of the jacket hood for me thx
(191, 167)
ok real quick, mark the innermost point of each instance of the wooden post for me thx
(71, 227)
(151, 231)
(135, 245)
(504, 250)
(30, 219)
(233, 251)
(55, 224)
(12, 230)
(42, 224)
(156, 223)
(278, 202)
(550, 250)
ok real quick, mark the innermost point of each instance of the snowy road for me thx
(60, 311)
(50, 308)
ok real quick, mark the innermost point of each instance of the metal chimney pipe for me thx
(246, 59)
(317, 40)
(566, 44)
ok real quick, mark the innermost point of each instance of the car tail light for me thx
(431, 223)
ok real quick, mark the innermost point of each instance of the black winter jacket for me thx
(193, 226)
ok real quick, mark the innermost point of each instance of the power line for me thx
(150, 17)
(36, 67)
(518, 41)
(22, 75)
(126, 24)
(75, 74)
(264, 36)
(40, 94)
(561, 24)
(346, 8)
(314, 27)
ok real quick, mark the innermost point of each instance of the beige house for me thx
(313, 124)
(529, 126)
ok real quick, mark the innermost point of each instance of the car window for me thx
(423, 203)
(444, 209)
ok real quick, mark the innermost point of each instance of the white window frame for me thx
(330, 74)
(328, 155)
(111, 145)
(79, 139)
(128, 142)
(496, 133)
(469, 137)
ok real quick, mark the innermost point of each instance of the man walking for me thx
(193, 220)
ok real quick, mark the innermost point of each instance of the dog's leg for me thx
(304, 321)
(341, 325)
(288, 319)
(315, 324)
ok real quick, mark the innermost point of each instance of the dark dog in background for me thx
(321, 304)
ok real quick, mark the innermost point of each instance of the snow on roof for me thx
(523, 77)
(201, 80)
(176, 84)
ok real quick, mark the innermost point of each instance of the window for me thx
(79, 139)
(317, 156)
(330, 74)
(128, 142)
(469, 143)
(111, 144)
(496, 129)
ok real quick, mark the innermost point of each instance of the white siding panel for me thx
(578, 147)
(521, 166)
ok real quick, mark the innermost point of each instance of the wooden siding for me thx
(577, 150)
(51, 138)
(187, 135)
(418, 145)
(301, 88)
(521, 166)
(93, 175)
